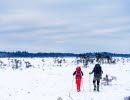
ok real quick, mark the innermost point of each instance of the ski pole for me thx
(101, 83)
(72, 83)
(82, 84)
(89, 83)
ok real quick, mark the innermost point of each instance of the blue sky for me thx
(74, 26)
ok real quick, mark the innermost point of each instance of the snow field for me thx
(50, 82)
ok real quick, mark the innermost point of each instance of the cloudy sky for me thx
(74, 26)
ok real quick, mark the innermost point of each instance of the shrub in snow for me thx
(127, 98)
(59, 98)
(106, 80)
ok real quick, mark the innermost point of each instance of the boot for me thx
(98, 88)
(94, 88)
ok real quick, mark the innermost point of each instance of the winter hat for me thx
(78, 69)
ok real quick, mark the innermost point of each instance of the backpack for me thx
(97, 70)
(78, 73)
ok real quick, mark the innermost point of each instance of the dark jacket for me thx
(97, 70)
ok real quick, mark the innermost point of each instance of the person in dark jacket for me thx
(78, 77)
(97, 70)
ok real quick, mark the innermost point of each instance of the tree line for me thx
(40, 54)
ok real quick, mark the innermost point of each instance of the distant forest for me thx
(27, 54)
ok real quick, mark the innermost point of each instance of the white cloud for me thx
(10, 28)
(31, 17)
(111, 30)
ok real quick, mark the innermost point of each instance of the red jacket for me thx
(78, 73)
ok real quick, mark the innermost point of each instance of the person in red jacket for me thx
(78, 77)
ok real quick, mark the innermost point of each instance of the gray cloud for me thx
(65, 26)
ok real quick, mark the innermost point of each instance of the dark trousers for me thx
(94, 82)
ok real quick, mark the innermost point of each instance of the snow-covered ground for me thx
(47, 80)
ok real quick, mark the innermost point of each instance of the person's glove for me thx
(89, 72)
